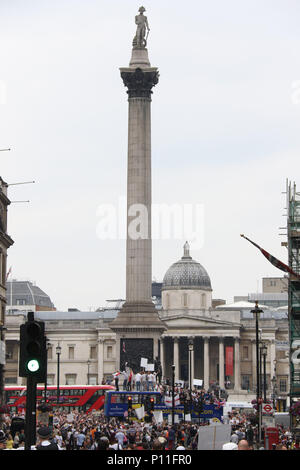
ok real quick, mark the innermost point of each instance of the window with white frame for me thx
(71, 379)
(93, 352)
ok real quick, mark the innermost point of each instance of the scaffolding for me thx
(293, 245)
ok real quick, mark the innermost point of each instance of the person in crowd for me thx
(44, 439)
(243, 445)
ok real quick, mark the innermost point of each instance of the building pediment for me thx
(193, 321)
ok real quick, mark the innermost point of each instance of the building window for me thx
(70, 379)
(11, 380)
(245, 382)
(21, 302)
(50, 352)
(50, 379)
(71, 353)
(283, 384)
(93, 352)
(245, 352)
(9, 353)
(93, 379)
(185, 300)
(203, 300)
(109, 352)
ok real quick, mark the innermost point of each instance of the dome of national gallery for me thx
(186, 274)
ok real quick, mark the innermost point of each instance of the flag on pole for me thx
(8, 273)
(276, 262)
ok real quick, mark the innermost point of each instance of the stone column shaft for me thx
(138, 257)
(221, 363)
(162, 356)
(237, 374)
(206, 363)
(176, 358)
(100, 360)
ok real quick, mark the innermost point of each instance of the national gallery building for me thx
(205, 339)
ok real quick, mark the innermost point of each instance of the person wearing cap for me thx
(45, 442)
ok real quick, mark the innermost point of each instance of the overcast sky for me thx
(225, 135)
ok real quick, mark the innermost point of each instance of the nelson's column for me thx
(137, 325)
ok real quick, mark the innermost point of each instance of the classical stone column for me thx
(221, 362)
(100, 360)
(237, 371)
(206, 362)
(176, 357)
(162, 355)
(138, 319)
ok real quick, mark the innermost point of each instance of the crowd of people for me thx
(78, 430)
(81, 431)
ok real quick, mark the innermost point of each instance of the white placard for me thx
(158, 416)
(149, 367)
(188, 417)
(140, 412)
(70, 418)
(180, 383)
(144, 362)
(198, 382)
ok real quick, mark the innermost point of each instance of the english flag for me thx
(168, 400)
(276, 262)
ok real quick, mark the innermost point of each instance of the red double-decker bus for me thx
(71, 397)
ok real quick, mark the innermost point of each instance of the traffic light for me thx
(33, 351)
(152, 404)
(129, 401)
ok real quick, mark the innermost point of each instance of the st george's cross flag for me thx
(276, 262)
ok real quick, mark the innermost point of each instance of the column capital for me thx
(139, 82)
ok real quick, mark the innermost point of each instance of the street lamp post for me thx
(273, 381)
(58, 352)
(191, 348)
(88, 376)
(45, 391)
(264, 351)
(173, 394)
(257, 311)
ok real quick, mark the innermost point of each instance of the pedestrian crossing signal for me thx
(129, 401)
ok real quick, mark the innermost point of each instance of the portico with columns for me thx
(207, 357)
